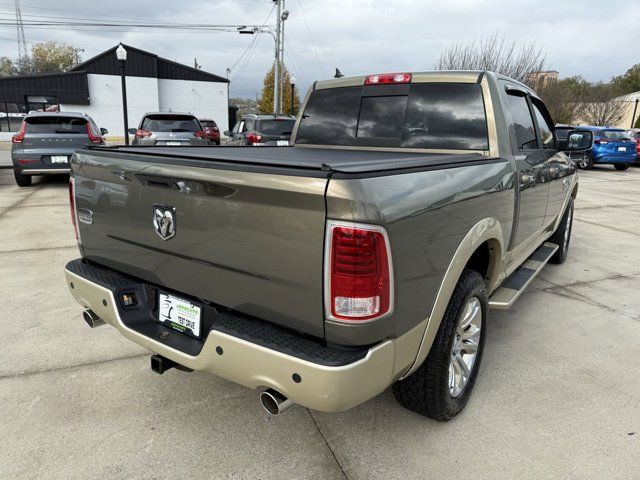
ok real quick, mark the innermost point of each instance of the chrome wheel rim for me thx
(465, 347)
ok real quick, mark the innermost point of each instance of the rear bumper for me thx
(39, 163)
(254, 354)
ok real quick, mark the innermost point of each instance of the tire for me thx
(22, 180)
(428, 391)
(562, 236)
(621, 166)
(586, 162)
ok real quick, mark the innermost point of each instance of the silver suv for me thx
(47, 140)
(169, 128)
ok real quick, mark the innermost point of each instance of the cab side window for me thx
(544, 126)
(522, 122)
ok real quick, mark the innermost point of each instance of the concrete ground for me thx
(5, 154)
(557, 397)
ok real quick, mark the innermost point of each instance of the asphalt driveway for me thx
(557, 397)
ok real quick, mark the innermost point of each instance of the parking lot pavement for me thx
(557, 395)
(5, 154)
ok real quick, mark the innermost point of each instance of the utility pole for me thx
(281, 19)
(276, 76)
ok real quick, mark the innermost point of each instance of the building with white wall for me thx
(94, 87)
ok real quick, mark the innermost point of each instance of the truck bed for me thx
(317, 161)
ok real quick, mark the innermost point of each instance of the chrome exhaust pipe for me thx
(92, 319)
(274, 402)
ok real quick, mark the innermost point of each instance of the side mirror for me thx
(103, 131)
(226, 133)
(579, 140)
(132, 131)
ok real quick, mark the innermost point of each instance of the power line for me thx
(313, 45)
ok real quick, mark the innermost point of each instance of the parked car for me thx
(46, 141)
(367, 254)
(169, 128)
(634, 134)
(610, 146)
(211, 129)
(262, 130)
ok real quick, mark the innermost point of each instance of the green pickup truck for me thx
(367, 254)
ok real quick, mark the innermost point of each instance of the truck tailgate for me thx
(251, 241)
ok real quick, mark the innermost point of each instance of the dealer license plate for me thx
(622, 149)
(174, 143)
(59, 159)
(180, 314)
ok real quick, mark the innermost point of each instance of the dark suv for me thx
(47, 140)
(262, 130)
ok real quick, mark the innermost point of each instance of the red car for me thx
(211, 129)
(634, 134)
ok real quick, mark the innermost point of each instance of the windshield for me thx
(275, 127)
(422, 115)
(170, 123)
(64, 125)
(615, 134)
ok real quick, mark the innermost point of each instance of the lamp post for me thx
(121, 54)
(293, 89)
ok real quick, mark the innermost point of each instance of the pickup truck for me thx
(367, 254)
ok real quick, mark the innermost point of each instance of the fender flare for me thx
(486, 230)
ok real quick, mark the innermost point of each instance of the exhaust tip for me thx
(92, 319)
(274, 402)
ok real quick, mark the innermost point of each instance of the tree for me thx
(629, 82)
(265, 105)
(6, 67)
(495, 54)
(564, 97)
(601, 108)
(53, 57)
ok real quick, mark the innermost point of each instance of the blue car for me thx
(610, 145)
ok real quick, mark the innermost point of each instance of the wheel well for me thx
(485, 260)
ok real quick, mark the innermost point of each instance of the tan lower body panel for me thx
(324, 388)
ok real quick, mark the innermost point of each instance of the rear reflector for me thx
(387, 78)
(358, 272)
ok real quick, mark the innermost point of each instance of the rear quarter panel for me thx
(426, 214)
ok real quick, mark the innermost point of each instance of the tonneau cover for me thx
(312, 158)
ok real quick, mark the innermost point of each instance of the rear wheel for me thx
(21, 179)
(562, 236)
(442, 385)
(621, 166)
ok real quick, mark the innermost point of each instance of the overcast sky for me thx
(581, 37)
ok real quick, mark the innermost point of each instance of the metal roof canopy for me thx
(144, 64)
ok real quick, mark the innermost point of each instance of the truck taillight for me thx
(72, 206)
(19, 137)
(358, 272)
(254, 137)
(386, 78)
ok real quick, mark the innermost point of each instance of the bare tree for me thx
(601, 107)
(496, 54)
(564, 98)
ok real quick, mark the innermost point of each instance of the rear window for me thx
(208, 123)
(423, 115)
(60, 125)
(170, 123)
(275, 127)
(615, 134)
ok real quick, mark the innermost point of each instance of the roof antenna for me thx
(338, 74)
